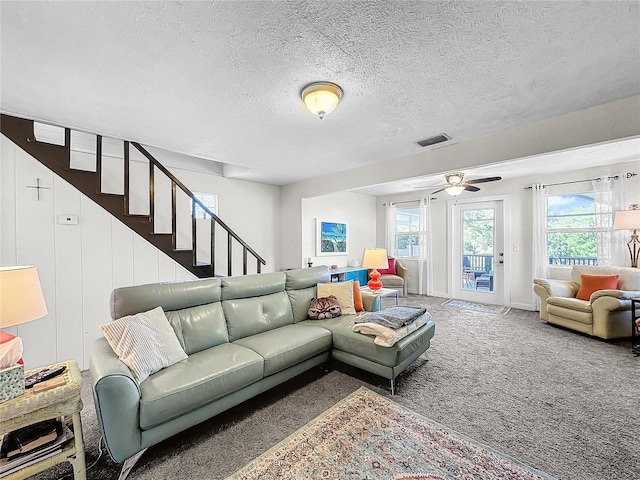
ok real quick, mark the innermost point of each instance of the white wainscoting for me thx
(79, 265)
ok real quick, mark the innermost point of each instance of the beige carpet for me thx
(558, 401)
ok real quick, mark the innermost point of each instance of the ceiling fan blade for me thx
(438, 191)
(483, 180)
(471, 188)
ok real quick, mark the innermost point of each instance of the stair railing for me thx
(213, 218)
(57, 158)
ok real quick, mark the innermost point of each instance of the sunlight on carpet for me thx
(478, 307)
(369, 436)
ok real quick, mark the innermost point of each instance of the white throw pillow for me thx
(144, 342)
(343, 291)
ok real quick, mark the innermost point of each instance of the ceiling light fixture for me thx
(321, 98)
(454, 190)
(454, 180)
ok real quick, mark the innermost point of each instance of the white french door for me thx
(477, 231)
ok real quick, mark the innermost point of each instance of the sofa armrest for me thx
(401, 270)
(619, 294)
(371, 302)
(117, 402)
(558, 288)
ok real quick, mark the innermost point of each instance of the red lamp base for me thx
(374, 283)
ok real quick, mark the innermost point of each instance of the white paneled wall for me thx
(79, 265)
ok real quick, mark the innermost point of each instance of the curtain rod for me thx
(613, 177)
(407, 201)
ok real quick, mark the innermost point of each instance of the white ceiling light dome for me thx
(321, 98)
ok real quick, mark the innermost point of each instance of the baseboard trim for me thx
(523, 306)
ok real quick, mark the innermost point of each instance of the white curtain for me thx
(390, 233)
(426, 248)
(608, 193)
(540, 255)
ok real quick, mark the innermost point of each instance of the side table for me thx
(383, 292)
(30, 408)
(635, 315)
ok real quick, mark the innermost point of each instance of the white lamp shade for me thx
(21, 298)
(375, 258)
(627, 220)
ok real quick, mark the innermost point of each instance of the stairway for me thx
(58, 159)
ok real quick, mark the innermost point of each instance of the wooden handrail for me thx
(195, 200)
(58, 159)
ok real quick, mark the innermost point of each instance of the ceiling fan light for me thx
(321, 98)
(454, 190)
(454, 178)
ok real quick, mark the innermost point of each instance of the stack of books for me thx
(31, 444)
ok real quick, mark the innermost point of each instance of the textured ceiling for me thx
(221, 80)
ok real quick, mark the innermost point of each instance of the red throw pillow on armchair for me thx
(392, 267)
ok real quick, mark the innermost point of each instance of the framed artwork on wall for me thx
(331, 238)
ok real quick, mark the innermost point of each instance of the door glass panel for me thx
(478, 227)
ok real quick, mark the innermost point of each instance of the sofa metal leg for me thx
(129, 463)
(393, 387)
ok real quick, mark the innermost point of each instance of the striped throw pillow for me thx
(144, 342)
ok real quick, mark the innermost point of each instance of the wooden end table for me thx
(63, 401)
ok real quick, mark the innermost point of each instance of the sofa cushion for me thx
(325, 307)
(345, 339)
(357, 297)
(250, 316)
(629, 277)
(391, 269)
(169, 296)
(570, 303)
(200, 379)
(343, 291)
(300, 300)
(306, 277)
(249, 286)
(199, 328)
(391, 281)
(289, 345)
(592, 283)
(144, 342)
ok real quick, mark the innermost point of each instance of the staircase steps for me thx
(58, 159)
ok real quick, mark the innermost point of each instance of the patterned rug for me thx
(478, 307)
(367, 436)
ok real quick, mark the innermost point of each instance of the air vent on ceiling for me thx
(443, 137)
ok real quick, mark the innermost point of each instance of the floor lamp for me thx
(630, 220)
(375, 258)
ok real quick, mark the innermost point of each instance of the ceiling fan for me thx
(456, 184)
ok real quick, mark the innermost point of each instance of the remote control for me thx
(43, 375)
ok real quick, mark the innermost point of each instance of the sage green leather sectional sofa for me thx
(243, 336)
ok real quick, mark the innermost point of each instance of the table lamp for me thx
(630, 220)
(375, 258)
(21, 301)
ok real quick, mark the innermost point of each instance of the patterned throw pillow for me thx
(326, 307)
(144, 342)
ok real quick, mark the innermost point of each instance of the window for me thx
(571, 229)
(210, 200)
(407, 232)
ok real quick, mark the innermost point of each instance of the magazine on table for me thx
(19, 449)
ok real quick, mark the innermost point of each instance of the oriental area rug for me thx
(367, 436)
